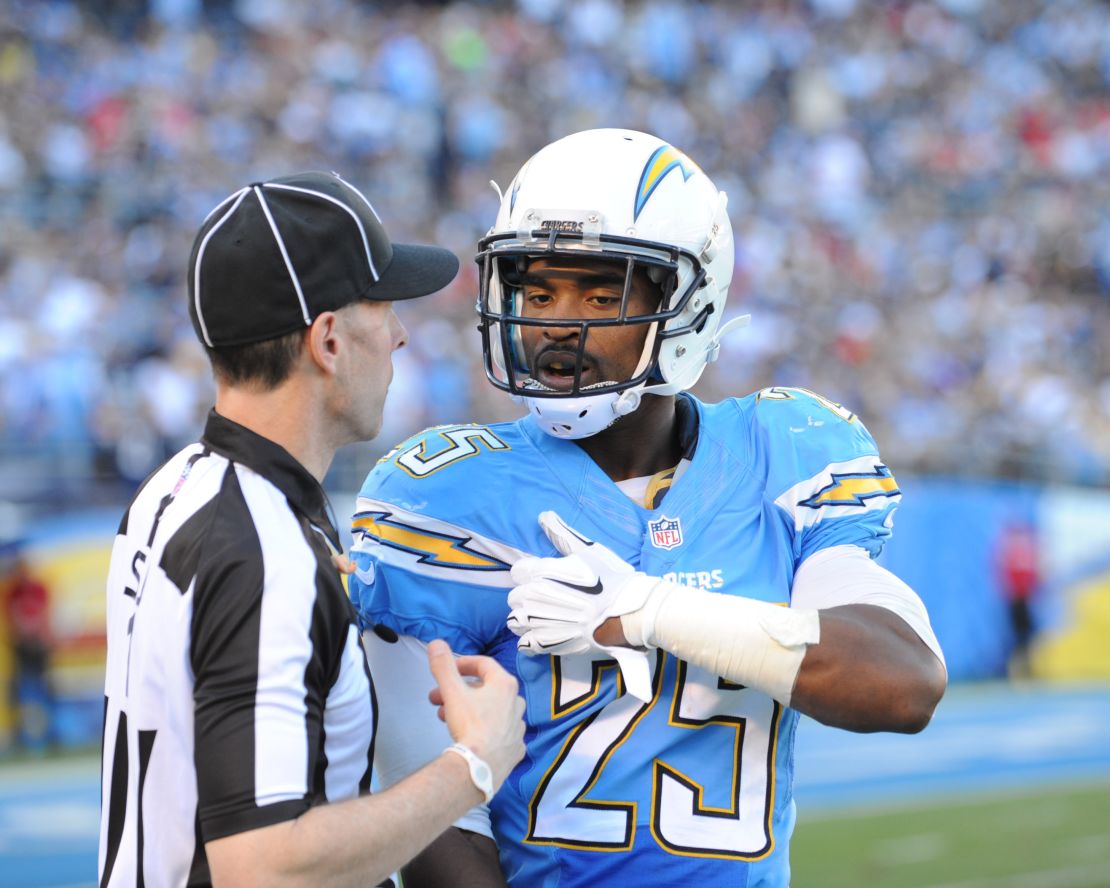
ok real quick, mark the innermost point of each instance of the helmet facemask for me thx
(505, 261)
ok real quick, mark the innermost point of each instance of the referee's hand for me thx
(485, 712)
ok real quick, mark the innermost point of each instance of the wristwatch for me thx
(480, 773)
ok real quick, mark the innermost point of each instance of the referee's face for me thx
(373, 332)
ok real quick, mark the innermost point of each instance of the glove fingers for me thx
(567, 570)
(523, 620)
(563, 537)
(535, 603)
(542, 641)
(526, 569)
(569, 541)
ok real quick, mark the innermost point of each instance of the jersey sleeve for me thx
(421, 568)
(823, 472)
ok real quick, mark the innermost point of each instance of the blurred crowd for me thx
(920, 193)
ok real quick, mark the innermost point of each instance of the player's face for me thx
(583, 290)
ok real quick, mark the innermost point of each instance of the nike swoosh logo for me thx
(554, 644)
(556, 620)
(595, 589)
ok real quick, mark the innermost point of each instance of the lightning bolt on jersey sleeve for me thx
(424, 567)
(420, 576)
(823, 472)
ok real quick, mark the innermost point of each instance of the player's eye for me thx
(535, 297)
(604, 300)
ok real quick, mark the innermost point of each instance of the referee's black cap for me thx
(274, 255)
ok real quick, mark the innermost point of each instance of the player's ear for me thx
(322, 342)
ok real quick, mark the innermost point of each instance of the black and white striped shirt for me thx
(237, 693)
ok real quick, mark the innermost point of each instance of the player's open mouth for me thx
(555, 369)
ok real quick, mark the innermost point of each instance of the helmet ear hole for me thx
(704, 317)
(511, 271)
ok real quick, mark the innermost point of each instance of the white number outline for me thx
(782, 393)
(462, 442)
(629, 808)
(661, 770)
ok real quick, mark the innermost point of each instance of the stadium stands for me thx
(919, 191)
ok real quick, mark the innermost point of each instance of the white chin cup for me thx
(581, 417)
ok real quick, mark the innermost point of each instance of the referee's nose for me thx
(400, 334)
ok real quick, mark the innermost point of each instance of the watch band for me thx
(480, 773)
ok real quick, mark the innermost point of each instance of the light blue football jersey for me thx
(695, 786)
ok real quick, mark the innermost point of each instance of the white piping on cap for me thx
(343, 206)
(285, 256)
(239, 195)
(361, 197)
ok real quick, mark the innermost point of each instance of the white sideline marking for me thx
(48, 822)
(920, 848)
(1069, 877)
(926, 800)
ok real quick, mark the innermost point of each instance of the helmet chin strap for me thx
(581, 417)
(586, 415)
(712, 352)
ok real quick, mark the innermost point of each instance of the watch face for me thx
(483, 774)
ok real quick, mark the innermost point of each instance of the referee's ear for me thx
(322, 342)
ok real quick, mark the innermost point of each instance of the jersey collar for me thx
(686, 415)
(274, 463)
(584, 481)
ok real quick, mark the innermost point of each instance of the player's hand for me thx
(479, 702)
(559, 603)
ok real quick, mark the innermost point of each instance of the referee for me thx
(240, 712)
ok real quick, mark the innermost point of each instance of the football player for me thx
(672, 581)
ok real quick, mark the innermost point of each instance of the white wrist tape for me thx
(749, 642)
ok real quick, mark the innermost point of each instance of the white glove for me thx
(558, 603)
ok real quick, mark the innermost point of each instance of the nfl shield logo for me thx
(666, 533)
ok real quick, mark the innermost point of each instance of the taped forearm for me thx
(749, 642)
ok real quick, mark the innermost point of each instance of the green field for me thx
(1057, 838)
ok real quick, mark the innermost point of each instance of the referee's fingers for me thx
(477, 667)
(444, 671)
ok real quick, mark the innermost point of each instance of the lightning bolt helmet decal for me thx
(664, 159)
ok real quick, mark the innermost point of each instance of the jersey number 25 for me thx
(680, 819)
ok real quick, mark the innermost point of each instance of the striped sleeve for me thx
(258, 635)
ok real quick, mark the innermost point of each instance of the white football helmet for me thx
(619, 195)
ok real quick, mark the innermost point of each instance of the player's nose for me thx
(561, 334)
